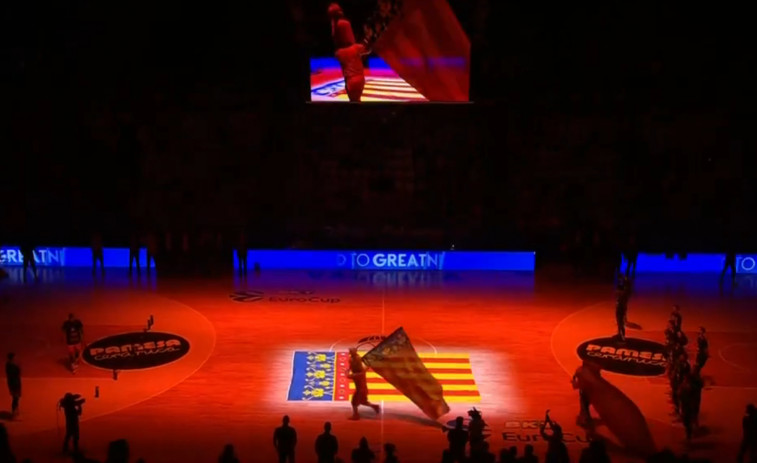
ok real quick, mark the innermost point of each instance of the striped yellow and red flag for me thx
(428, 380)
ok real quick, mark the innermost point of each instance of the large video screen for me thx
(404, 51)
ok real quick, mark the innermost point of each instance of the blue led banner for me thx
(11, 256)
(692, 263)
(391, 260)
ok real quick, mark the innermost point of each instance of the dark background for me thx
(587, 123)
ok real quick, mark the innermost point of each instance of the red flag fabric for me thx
(396, 360)
(426, 45)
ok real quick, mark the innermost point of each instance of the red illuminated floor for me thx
(519, 334)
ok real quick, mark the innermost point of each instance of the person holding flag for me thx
(357, 374)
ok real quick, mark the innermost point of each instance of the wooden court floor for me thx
(518, 332)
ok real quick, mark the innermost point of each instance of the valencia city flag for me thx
(396, 361)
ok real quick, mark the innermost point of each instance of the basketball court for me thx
(224, 359)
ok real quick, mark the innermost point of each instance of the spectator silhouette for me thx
(326, 445)
(228, 455)
(5, 446)
(596, 452)
(363, 453)
(285, 440)
(557, 452)
(390, 455)
(528, 455)
(458, 439)
(13, 378)
(118, 452)
(508, 455)
(483, 455)
(748, 446)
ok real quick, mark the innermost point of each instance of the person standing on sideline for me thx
(730, 263)
(748, 446)
(74, 331)
(285, 440)
(326, 445)
(71, 406)
(27, 251)
(242, 254)
(13, 377)
(97, 254)
(134, 253)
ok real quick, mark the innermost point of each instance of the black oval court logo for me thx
(635, 357)
(135, 351)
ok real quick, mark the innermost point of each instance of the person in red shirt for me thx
(358, 376)
(348, 53)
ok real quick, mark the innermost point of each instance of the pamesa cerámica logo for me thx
(135, 351)
(391, 260)
(247, 296)
(635, 357)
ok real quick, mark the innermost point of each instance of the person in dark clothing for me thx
(675, 317)
(697, 385)
(71, 406)
(748, 446)
(557, 452)
(528, 455)
(508, 455)
(27, 251)
(458, 439)
(632, 255)
(584, 417)
(118, 452)
(476, 427)
(285, 440)
(363, 453)
(686, 406)
(326, 445)
(134, 253)
(730, 262)
(621, 306)
(13, 377)
(241, 248)
(229, 455)
(74, 331)
(97, 254)
(703, 349)
(6, 455)
(596, 452)
(390, 453)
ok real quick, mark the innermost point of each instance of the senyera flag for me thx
(398, 363)
(424, 43)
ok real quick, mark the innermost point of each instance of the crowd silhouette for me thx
(466, 443)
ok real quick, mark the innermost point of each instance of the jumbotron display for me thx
(408, 51)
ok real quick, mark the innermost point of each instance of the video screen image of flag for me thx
(396, 360)
(322, 376)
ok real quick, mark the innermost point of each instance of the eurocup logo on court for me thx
(635, 357)
(248, 296)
